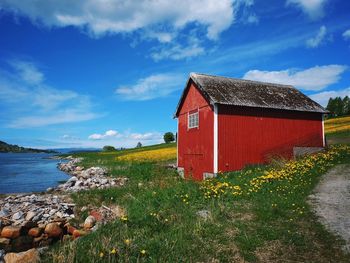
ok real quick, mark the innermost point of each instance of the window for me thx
(193, 120)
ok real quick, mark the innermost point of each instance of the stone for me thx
(30, 215)
(4, 212)
(53, 230)
(5, 244)
(4, 241)
(2, 254)
(205, 214)
(79, 233)
(70, 229)
(104, 181)
(35, 231)
(89, 222)
(29, 256)
(11, 231)
(17, 216)
(97, 215)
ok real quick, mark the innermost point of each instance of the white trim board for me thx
(323, 136)
(216, 135)
(177, 144)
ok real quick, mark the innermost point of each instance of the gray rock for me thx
(30, 215)
(4, 212)
(205, 214)
(17, 216)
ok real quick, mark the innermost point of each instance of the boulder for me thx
(35, 231)
(70, 229)
(11, 231)
(29, 256)
(79, 233)
(89, 222)
(53, 230)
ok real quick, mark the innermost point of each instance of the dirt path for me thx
(331, 202)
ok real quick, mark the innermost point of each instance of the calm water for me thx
(28, 172)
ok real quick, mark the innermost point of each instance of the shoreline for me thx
(39, 219)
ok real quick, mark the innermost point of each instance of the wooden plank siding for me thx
(256, 135)
(195, 146)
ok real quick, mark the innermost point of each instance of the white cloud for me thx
(313, 8)
(153, 86)
(107, 135)
(125, 139)
(315, 78)
(146, 136)
(346, 34)
(177, 52)
(31, 103)
(100, 17)
(318, 39)
(28, 71)
(323, 97)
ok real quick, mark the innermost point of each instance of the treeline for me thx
(5, 147)
(338, 106)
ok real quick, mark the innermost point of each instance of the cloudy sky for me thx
(87, 73)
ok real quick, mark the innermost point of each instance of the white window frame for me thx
(191, 123)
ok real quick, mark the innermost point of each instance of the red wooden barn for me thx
(225, 124)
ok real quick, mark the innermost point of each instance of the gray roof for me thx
(241, 92)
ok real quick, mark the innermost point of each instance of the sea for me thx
(28, 172)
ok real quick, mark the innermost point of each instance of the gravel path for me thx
(331, 202)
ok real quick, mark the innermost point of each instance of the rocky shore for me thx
(83, 179)
(30, 221)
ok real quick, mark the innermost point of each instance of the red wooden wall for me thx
(195, 146)
(255, 135)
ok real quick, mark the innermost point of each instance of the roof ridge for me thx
(245, 80)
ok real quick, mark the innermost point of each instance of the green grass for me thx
(271, 225)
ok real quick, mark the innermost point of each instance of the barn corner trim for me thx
(216, 140)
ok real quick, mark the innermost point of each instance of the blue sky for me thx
(104, 72)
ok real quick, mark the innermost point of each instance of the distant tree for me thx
(139, 145)
(346, 105)
(169, 137)
(338, 106)
(108, 148)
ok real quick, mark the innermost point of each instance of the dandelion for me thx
(143, 252)
(124, 218)
(113, 251)
(101, 255)
(127, 242)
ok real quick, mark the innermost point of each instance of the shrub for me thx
(169, 137)
(108, 148)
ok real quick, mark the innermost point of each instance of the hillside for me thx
(5, 148)
(259, 214)
(337, 130)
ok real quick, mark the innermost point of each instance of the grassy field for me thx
(259, 214)
(338, 130)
